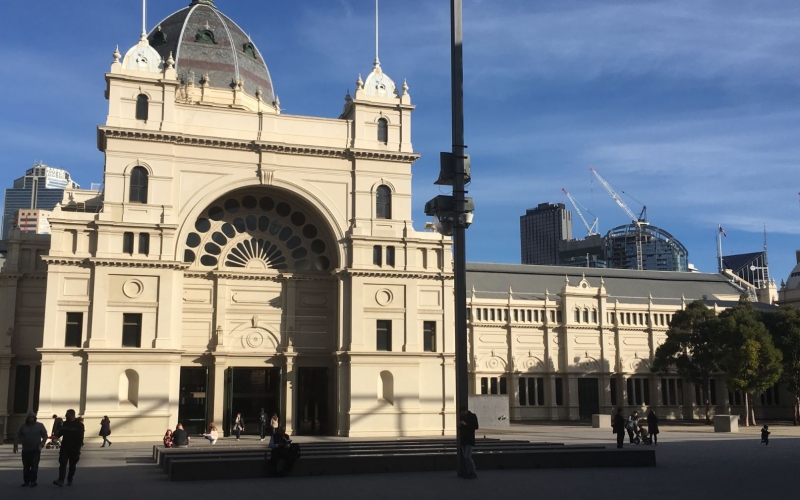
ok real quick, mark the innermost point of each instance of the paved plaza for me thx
(692, 463)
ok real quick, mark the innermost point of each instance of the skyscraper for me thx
(41, 188)
(541, 230)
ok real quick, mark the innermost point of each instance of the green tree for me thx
(746, 353)
(784, 325)
(689, 348)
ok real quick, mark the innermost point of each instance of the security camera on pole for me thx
(453, 214)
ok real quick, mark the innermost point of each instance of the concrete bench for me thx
(601, 421)
(726, 423)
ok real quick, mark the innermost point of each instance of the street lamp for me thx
(453, 214)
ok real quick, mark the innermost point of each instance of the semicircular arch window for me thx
(253, 232)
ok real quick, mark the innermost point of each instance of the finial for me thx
(206, 78)
(191, 78)
(347, 97)
(258, 93)
(144, 18)
(377, 63)
(405, 87)
(117, 55)
(208, 26)
(566, 279)
(359, 83)
(170, 61)
(277, 103)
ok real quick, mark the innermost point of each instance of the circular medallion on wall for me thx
(133, 288)
(384, 297)
(254, 340)
(493, 363)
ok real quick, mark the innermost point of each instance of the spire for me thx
(144, 19)
(377, 63)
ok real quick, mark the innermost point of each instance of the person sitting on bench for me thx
(283, 449)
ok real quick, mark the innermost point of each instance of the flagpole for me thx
(719, 247)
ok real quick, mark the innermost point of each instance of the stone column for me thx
(290, 384)
(216, 408)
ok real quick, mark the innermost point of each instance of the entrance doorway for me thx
(588, 398)
(312, 401)
(247, 391)
(192, 406)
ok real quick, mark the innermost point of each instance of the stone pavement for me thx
(693, 463)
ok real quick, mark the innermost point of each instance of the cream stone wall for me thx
(611, 341)
(203, 148)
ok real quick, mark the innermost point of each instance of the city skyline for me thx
(690, 107)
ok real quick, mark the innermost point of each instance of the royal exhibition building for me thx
(237, 258)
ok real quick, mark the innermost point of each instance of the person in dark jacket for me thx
(282, 448)
(105, 430)
(33, 436)
(262, 422)
(180, 438)
(652, 426)
(619, 427)
(238, 426)
(71, 434)
(468, 424)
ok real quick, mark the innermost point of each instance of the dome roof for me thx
(794, 278)
(204, 41)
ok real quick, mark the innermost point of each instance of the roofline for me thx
(500, 268)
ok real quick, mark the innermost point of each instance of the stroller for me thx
(54, 443)
(641, 436)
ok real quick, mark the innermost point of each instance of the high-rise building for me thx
(41, 188)
(32, 221)
(541, 230)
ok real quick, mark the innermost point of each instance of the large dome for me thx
(204, 41)
(794, 278)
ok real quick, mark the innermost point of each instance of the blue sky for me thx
(692, 107)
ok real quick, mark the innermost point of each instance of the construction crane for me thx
(639, 221)
(591, 230)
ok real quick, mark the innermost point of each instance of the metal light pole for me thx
(459, 212)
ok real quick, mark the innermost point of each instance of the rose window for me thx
(258, 232)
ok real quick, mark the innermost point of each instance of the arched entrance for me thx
(267, 258)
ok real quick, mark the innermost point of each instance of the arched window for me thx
(383, 130)
(585, 315)
(383, 203)
(138, 193)
(577, 315)
(142, 107)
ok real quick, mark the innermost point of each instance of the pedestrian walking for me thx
(57, 423)
(652, 426)
(33, 436)
(71, 443)
(631, 425)
(238, 426)
(618, 427)
(105, 430)
(262, 422)
(765, 435)
(274, 423)
(468, 424)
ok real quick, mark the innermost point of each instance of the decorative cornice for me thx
(277, 278)
(105, 133)
(149, 264)
(65, 261)
(396, 274)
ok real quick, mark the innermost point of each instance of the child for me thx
(765, 435)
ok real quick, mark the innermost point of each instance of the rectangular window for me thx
(22, 386)
(377, 255)
(673, 393)
(479, 313)
(516, 315)
(523, 394)
(552, 316)
(144, 243)
(585, 315)
(127, 243)
(505, 314)
(494, 388)
(429, 334)
(613, 386)
(484, 385)
(664, 392)
(37, 383)
(559, 392)
(74, 333)
(558, 316)
(384, 339)
(531, 391)
(679, 388)
(390, 256)
(503, 385)
(131, 330)
(713, 396)
(629, 384)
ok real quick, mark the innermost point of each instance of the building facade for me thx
(566, 343)
(237, 259)
(41, 188)
(541, 230)
(31, 221)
